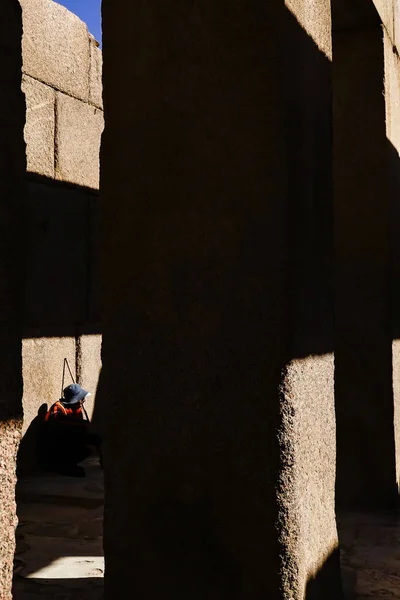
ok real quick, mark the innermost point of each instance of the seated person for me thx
(66, 439)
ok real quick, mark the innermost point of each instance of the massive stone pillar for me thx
(366, 475)
(391, 34)
(12, 172)
(308, 403)
(217, 351)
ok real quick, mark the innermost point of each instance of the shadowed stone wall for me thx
(61, 81)
(364, 395)
(391, 32)
(217, 345)
(367, 252)
(12, 192)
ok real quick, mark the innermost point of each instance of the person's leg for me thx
(67, 448)
(82, 451)
(48, 447)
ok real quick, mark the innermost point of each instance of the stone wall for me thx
(61, 81)
(391, 33)
(12, 196)
(366, 86)
(363, 362)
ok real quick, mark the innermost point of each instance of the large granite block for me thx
(362, 266)
(9, 440)
(386, 11)
(78, 137)
(89, 366)
(39, 126)
(96, 72)
(215, 283)
(56, 47)
(309, 419)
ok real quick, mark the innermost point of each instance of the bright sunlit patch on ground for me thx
(71, 567)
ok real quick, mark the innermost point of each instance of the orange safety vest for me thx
(58, 407)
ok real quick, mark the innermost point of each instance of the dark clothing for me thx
(66, 438)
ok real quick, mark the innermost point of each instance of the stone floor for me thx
(370, 554)
(59, 551)
(60, 555)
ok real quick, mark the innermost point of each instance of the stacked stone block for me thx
(62, 83)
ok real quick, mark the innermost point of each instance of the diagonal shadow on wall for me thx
(57, 246)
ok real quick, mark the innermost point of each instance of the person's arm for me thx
(57, 412)
(56, 417)
(53, 413)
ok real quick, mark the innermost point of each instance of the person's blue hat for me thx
(74, 393)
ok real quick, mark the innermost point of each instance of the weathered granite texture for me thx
(12, 190)
(62, 66)
(77, 142)
(10, 435)
(40, 126)
(387, 10)
(88, 365)
(96, 69)
(217, 329)
(56, 47)
(392, 106)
